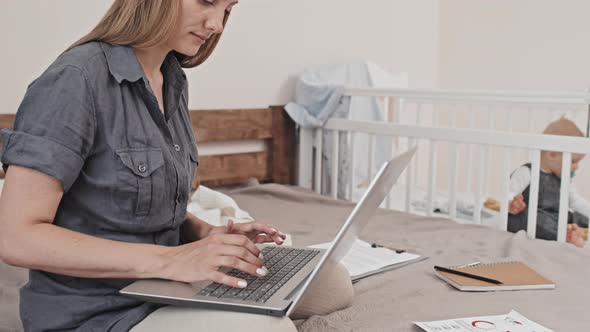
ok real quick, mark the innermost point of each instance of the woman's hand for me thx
(201, 260)
(255, 231)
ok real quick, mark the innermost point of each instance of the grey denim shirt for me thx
(92, 121)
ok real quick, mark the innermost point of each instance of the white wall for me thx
(266, 44)
(33, 34)
(517, 45)
(507, 44)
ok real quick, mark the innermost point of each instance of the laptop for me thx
(292, 271)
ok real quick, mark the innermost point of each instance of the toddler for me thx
(549, 191)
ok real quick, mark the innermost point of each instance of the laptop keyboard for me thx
(282, 264)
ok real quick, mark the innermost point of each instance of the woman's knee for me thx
(333, 291)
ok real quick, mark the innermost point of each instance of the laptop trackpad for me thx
(297, 289)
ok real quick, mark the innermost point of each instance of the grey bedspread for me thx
(392, 300)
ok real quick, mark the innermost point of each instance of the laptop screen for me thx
(359, 217)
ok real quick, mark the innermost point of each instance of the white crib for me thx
(460, 125)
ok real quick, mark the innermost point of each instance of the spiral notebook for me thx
(513, 275)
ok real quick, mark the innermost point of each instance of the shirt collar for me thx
(124, 65)
(174, 84)
(122, 62)
(173, 72)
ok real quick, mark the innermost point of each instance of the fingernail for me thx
(261, 272)
(242, 284)
(274, 230)
(261, 256)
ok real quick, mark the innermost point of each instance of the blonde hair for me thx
(145, 23)
(563, 127)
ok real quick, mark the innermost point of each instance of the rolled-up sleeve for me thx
(54, 127)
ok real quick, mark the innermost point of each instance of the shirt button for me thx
(181, 198)
(142, 168)
(176, 147)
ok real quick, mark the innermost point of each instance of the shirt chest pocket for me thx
(141, 177)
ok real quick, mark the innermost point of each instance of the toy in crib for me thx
(492, 204)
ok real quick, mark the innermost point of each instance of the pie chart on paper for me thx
(483, 325)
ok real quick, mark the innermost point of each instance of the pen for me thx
(397, 251)
(468, 275)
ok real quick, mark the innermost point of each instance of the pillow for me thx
(215, 207)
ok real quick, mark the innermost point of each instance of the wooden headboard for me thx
(275, 164)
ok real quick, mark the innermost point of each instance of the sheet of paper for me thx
(513, 322)
(362, 258)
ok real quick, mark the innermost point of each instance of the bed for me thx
(385, 302)
(393, 300)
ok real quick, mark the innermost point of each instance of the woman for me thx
(101, 160)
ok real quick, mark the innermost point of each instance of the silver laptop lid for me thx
(358, 219)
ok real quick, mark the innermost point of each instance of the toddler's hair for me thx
(564, 127)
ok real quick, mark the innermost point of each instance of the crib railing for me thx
(433, 134)
(484, 139)
(494, 110)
